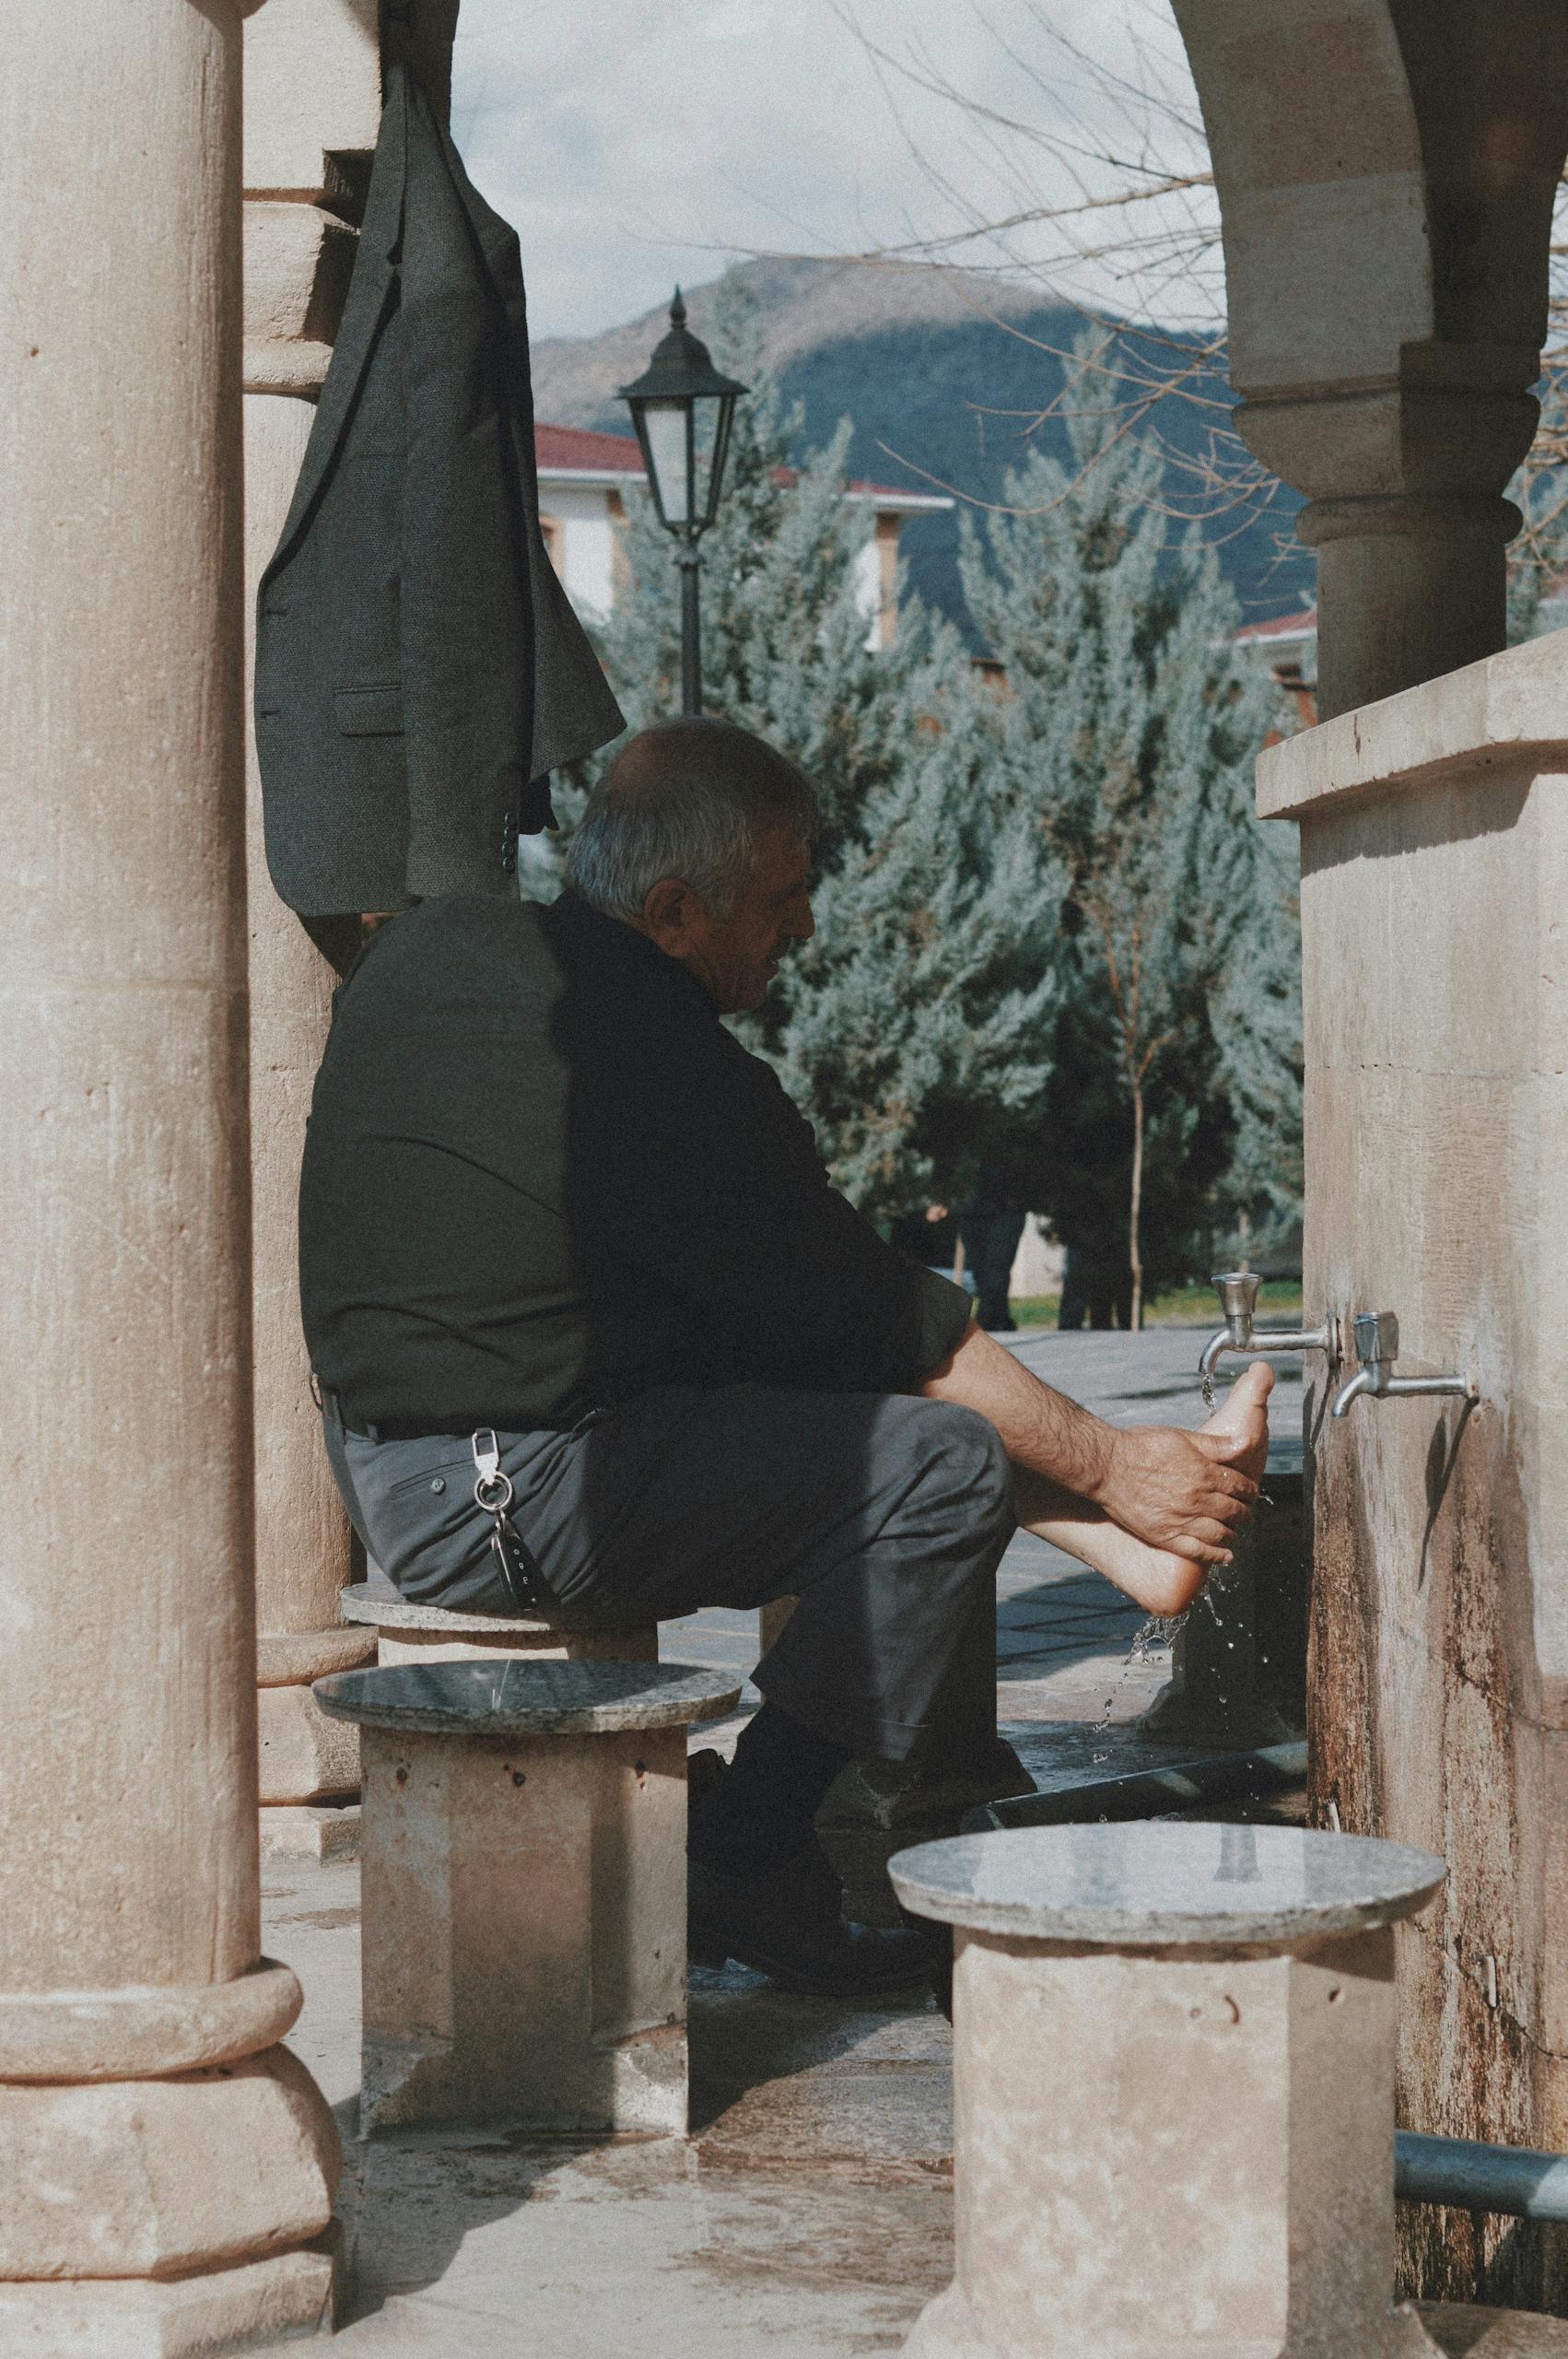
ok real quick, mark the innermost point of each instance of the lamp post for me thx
(683, 408)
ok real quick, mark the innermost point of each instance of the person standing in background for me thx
(988, 1230)
(1096, 1284)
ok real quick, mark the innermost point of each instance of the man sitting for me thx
(546, 1191)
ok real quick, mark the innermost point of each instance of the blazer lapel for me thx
(496, 243)
(371, 293)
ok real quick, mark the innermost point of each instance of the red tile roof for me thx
(1302, 623)
(579, 448)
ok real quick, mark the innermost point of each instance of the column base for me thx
(192, 2317)
(162, 2181)
(637, 2088)
(311, 1831)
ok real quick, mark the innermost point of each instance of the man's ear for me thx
(668, 913)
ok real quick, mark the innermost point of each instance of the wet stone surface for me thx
(808, 2217)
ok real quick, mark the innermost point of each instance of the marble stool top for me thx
(514, 1698)
(1148, 1882)
(367, 1602)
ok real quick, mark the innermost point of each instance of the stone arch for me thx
(1387, 171)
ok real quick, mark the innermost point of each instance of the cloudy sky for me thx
(635, 142)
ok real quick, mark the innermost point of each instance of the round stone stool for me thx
(425, 1634)
(524, 1889)
(1174, 2084)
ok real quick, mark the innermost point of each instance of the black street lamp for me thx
(683, 408)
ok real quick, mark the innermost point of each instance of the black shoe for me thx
(788, 1926)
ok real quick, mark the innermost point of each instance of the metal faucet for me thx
(1377, 1347)
(1237, 1290)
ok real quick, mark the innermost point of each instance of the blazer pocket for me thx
(369, 713)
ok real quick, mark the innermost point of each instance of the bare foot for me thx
(1243, 1417)
(1164, 1584)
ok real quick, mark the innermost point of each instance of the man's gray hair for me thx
(687, 799)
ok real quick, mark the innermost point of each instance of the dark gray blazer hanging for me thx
(417, 663)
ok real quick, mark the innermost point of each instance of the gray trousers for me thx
(886, 1515)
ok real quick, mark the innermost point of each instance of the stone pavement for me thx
(809, 2214)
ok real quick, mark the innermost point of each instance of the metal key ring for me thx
(494, 1493)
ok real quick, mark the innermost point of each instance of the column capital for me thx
(1440, 516)
(299, 261)
(1404, 476)
(1455, 419)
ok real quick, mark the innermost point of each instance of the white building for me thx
(583, 480)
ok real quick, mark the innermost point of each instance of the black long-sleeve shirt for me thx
(540, 1177)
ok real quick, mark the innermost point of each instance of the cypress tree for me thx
(1130, 729)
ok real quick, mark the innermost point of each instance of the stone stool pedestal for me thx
(524, 1889)
(1174, 2082)
(425, 1634)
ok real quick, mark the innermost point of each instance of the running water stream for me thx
(1159, 1631)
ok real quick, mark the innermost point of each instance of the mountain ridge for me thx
(803, 304)
(948, 376)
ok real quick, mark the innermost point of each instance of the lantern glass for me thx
(719, 413)
(667, 428)
(682, 408)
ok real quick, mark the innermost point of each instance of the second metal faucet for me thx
(1376, 1336)
(1237, 1290)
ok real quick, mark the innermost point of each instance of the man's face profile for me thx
(736, 956)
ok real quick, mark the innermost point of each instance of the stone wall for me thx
(1434, 835)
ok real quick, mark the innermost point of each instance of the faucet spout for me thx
(1377, 1347)
(1260, 1341)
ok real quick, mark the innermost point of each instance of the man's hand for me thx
(1162, 1581)
(1183, 1493)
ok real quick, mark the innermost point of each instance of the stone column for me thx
(1174, 2082)
(1434, 854)
(166, 2161)
(1405, 509)
(312, 104)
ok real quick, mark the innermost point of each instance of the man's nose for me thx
(805, 925)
